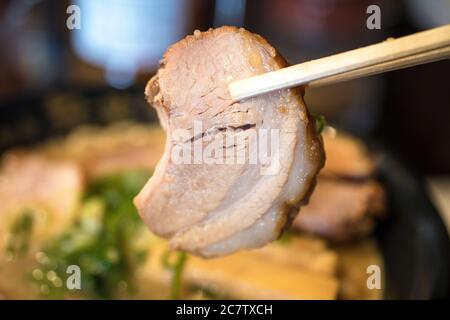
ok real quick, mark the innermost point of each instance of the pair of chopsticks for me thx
(392, 54)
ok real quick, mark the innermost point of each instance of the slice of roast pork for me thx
(216, 208)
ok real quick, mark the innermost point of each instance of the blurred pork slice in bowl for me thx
(348, 198)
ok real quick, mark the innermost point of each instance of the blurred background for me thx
(53, 78)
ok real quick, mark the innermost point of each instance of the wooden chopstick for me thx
(418, 48)
(402, 63)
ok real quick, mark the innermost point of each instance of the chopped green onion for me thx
(176, 268)
(101, 241)
(285, 238)
(320, 123)
(21, 229)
